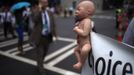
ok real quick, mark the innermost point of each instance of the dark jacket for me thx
(36, 36)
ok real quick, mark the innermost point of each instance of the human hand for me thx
(55, 38)
(75, 28)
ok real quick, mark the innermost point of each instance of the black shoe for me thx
(20, 49)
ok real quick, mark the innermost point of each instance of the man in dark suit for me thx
(7, 22)
(43, 31)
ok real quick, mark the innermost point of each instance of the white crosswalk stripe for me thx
(103, 17)
(62, 54)
(60, 58)
(15, 49)
(32, 62)
(9, 35)
(10, 42)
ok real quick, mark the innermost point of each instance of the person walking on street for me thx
(19, 29)
(43, 32)
(25, 14)
(7, 22)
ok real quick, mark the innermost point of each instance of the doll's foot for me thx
(77, 66)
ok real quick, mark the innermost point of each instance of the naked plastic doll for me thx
(83, 27)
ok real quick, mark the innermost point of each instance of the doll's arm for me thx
(85, 31)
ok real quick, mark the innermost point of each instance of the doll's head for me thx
(84, 9)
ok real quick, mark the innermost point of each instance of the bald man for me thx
(83, 27)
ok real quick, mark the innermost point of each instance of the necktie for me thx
(45, 25)
(5, 17)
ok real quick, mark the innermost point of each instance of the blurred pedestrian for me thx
(70, 10)
(26, 16)
(43, 31)
(1, 20)
(7, 22)
(118, 17)
(129, 34)
(65, 12)
(19, 29)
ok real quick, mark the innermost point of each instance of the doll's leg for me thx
(78, 57)
(77, 53)
(83, 55)
(84, 52)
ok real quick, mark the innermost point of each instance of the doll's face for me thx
(84, 9)
(81, 12)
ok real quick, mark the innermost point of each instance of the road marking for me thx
(103, 17)
(49, 67)
(10, 42)
(48, 57)
(60, 70)
(32, 62)
(3, 37)
(60, 58)
(26, 47)
(1, 33)
(66, 39)
(59, 51)
(15, 49)
(9, 35)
